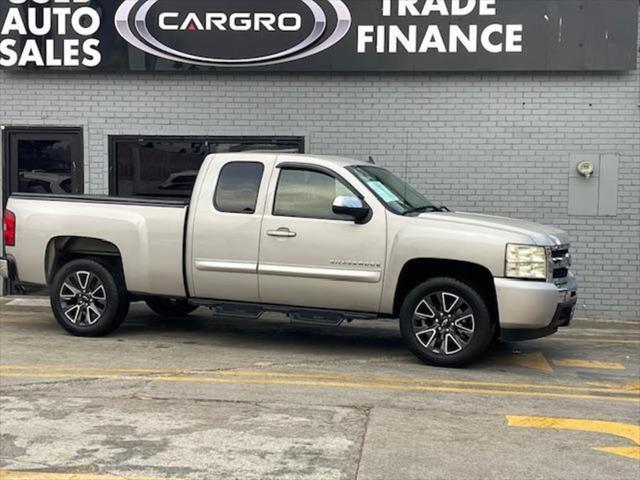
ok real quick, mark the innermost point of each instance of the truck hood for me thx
(540, 234)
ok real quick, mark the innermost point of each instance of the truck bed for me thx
(147, 233)
(151, 202)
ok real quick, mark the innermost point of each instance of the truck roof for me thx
(324, 160)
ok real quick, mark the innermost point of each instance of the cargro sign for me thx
(319, 35)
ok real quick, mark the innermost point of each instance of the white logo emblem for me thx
(133, 19)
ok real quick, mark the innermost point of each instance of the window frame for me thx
(215, 191)
(9, 164)
(317, 169)
(207, 140)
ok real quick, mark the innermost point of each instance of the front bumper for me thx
(531, 310)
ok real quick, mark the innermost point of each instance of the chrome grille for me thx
(560, 261)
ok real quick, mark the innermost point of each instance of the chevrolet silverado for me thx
(321, 239)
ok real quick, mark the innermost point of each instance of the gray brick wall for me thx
(493, 143)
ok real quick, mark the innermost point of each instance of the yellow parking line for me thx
(331, 384)
(624, 430)
(627, 385)
(536, 361)
(84, 371)
(629, 452)
(580, 363)
(15, 475)
(427, 381)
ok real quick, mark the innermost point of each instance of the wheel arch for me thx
(63, 249)
(418, 270)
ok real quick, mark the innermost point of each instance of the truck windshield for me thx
(396, 194)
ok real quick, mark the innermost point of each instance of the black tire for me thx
(445, 331)
(112, 302)
(169, 307)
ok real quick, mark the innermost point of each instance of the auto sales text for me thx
(26, 23)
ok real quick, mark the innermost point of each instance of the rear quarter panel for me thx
(149, 238)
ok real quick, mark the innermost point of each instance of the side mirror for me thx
(351, 206)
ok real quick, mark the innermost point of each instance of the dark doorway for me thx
(39, 160)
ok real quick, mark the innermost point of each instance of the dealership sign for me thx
(319, 35)
(241, 33)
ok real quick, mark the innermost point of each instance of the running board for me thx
(297, 315)
(237, 310)
(316, 317)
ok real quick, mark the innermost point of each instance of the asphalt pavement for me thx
(206, 397)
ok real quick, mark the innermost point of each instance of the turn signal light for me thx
(9, 228)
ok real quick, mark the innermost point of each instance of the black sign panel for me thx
(319, 35)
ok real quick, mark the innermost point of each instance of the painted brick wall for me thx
(493, 143)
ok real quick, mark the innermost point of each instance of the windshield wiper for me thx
(426, 208)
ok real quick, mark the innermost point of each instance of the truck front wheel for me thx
(446, 322)
(88, 298)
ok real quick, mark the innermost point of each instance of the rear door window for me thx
(238, 187)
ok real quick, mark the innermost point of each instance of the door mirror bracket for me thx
(353, 207)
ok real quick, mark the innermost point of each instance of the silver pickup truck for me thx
(322, 239)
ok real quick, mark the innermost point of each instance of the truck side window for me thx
(308, 194)
(238, 187)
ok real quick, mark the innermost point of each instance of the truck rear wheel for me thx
(88, 298)
(446, 322)
(169, 307)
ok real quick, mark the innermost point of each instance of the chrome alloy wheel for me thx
(83, 298)
(443, 323)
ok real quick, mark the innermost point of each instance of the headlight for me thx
(526, 261)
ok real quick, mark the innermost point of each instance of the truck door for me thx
(224, 227)
(310, 256)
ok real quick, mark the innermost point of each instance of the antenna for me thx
(371, 160)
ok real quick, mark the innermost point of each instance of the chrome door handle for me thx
(281, 232)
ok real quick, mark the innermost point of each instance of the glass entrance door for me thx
(44, 161)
